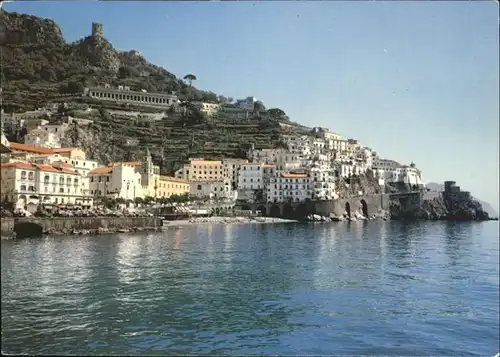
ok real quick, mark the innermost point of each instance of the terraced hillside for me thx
(174, 137)
(38, 66)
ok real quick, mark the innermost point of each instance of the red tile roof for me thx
(293, 175)
(58, 150)
(128, 163)
(101, 170)
(28, 166)
(30, 148)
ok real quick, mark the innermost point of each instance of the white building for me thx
(326, 134)
(80, 166)
(322, 184)
(250, 180)
(40, 137)
(393, 172)
(289, 187)
(247, 103)
(231, 170)
(212, 189)
(125, 95)
(47, 135)
(26, 183)
(300, 145)
(116, 181)
(209, 109)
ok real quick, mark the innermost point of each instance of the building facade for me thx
(117, 181)
(289, 187)
(220, 189)
(169, 186)
(201, 170)
(26, 183)
(124, 95)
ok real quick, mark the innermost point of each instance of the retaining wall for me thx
(79, 223)
(324, 208)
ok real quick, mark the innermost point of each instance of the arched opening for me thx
(275, 211)
(364, 208)
(348, 209)
(263, 210)
(301, 211)
(288, 211)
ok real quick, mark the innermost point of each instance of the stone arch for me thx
(275, 211)
(301, 211)
(288, 211)
(364, 208)
(263, 210)
(348, 209)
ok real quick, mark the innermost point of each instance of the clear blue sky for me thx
(413, 80)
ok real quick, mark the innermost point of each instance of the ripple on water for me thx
(429, 289)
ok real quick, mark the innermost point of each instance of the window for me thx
(23, 174)
(23, 188)
(61, 190)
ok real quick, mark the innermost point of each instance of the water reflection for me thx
(269, 289)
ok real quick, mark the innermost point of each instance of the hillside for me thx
(37, 63)
(38, 67)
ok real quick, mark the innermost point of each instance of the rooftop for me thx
(101, 170)
(28, 166)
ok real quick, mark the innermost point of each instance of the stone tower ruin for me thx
(97, 32)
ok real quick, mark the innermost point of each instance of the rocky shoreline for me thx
(224, 220)
(356, 216)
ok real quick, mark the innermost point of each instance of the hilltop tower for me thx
(97, 31)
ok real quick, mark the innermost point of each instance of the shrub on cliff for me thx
(34, 54)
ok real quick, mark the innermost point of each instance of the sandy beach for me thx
(223, 220)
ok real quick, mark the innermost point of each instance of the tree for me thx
(72, 87)
(276, 113)
(123, 72)
(259, 107)
(190, 78)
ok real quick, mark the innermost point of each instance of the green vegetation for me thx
(39, 67)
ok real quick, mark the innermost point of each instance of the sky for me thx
(415, 81)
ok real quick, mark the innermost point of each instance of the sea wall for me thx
(367, 205)
(68, 224)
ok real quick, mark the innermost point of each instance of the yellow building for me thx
(168, 186)
(201, 170)
(24, 183)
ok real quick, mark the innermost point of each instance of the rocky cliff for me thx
(39, 67)
(441, 207)
(37, 64)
